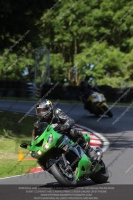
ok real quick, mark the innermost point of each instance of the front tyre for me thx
(108, 112)
(65, 178)
(102, 175)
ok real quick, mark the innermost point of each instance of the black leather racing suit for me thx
(64, 125)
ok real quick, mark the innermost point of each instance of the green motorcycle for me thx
(65, 160)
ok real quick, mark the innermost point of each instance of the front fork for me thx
(97, 167)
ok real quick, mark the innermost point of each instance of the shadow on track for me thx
(58, 186)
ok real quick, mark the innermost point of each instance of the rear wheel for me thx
(102, 175)
(66, 178)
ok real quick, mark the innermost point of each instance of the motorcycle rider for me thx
(85, 91)
(46, 113)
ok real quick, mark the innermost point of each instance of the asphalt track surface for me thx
(118, 158)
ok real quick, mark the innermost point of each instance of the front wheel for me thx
(102, 175)
(66, 178)
(107, 111)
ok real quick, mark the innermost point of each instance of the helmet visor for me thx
(41, 110)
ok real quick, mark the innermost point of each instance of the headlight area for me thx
(49, 141)
(33, 154)
(46, 146)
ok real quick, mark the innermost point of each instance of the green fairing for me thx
(85, 163)
(44, 136)
(37, 147)
(84, 166)
(87, 137)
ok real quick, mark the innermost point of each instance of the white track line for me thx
(19, 175)
(96, 141)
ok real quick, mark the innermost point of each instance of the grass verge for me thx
(12, 134)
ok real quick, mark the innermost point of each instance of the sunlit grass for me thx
(12, 134)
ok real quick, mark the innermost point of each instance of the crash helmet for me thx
(44, 109)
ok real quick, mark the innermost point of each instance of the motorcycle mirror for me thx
(24, 145)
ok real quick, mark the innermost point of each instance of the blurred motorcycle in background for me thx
(96, 104)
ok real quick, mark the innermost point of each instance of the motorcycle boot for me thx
(78, 136)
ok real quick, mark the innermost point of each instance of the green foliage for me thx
(96, 36)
